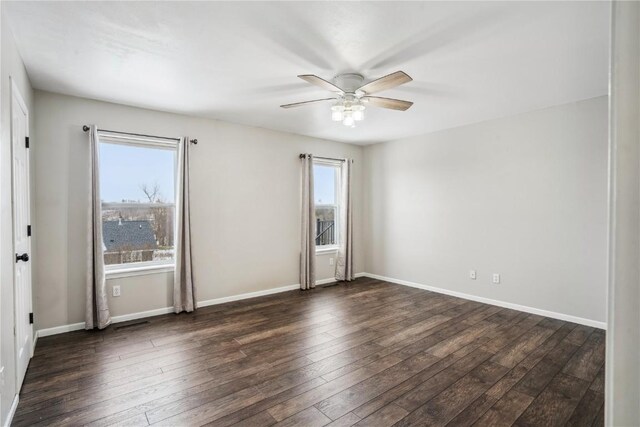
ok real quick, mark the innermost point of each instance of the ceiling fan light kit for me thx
(348, 111)
(350, 95)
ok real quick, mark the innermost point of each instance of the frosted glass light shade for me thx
(348, 121)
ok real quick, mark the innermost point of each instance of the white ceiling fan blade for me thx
(394, 104)
(387, 82)
(299, 104)
(315, 80)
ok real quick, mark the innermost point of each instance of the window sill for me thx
(138, 271)
(326, 250)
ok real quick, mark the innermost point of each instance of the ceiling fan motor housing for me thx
(349, 82)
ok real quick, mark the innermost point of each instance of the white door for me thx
(21, 233)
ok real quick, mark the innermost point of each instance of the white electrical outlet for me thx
(116, 290)
(472, 274)
(330, 261)
(496, 278)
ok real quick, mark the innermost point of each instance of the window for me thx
(326, 184)
(137, 189)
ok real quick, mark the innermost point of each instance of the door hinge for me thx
(28, 230)
(31, 318)
(26, 141)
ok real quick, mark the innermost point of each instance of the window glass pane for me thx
(138, 234)
(326, 226)
(136, 174)
(324, 184)
(133, 178)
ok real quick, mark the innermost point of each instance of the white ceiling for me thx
(238, 61)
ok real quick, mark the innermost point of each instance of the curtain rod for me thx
(86, 128)
(302, 156)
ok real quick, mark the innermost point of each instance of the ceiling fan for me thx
(351, 97)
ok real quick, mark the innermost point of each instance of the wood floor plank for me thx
(345, 421)
(193, 398)
(510, 321)
(286, 329)
(598, 383)
(383, 417)
(460, 340)
(469, 415)
(599, 421)
(518, 351)
(364, 353)
(414, 329)
(556, 403)
(588, 360)
(262, 419)
(441, 381)
(520, 371)
(267, 402)
(480, 406)
(404, 349)
(83, 411)
(309, 417)
(454, 399)
(349, 399)
(580, 334)
(206, 412)
(541, 374)
(135, 421)
(587, 410)
(506, 410)
(286, 409)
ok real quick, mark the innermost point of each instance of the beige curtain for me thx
(184, 290)
(308, 240)
(96, 306)
(344, 264)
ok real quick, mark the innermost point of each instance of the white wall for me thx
(623, 335)
(11, 68)
(524, 196)
(245, 192)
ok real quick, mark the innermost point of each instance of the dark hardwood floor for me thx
(369, 354)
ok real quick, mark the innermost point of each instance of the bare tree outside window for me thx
(162, 216)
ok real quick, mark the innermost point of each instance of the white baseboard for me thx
(35, 341)
(60, 329)
(333, 279)
(325, 281)
(248, 295)
(526, 309)
(12, 411)
(140, 315)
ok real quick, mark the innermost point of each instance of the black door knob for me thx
(24, 257)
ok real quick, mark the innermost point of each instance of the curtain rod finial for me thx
(85, 128)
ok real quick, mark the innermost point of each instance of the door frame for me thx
(17, 96)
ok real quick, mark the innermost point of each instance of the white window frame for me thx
(337, 164)
(113, 271)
